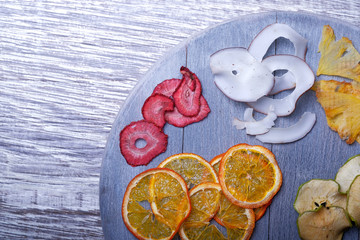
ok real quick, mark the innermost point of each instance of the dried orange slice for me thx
(205, 200)
(229, 210)
(338, 58)
(193, 168)
(249, 175)
(341, 103)
(168, 192)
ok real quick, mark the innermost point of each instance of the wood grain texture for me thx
(318, 155)
(66, 68)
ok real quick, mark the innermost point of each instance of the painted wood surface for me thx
(318, 155)
(66, 68)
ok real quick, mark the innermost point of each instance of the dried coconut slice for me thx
(341, 103)
(167, 87)
(239, 75)
(187, 95)
(319, 193)
(283, 82)
(261, 43)
(347, 173)
(292, 133)
(353, 206)
(323, 223)
(304, 78)
(156, 142)
(178, 120)
(254, 127)
(155, 107)
(338, 58)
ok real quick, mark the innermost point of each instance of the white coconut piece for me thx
(283, 82)
(239, 75)
(304, 79)
(261, 43)
(254, 127)
(292, 133)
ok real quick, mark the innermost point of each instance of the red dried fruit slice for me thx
(154, 109)
(187, 95)
(178, 120)
(156, 142)
(167, 87)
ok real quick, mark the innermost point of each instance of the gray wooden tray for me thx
(318, 155)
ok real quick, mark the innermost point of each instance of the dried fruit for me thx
(155, 107)
(318, 193)
(353, 206)
(292, 133)
(239, 75)
(156, 142)
(341, 103)
(249, 175)
(146, 224)
(338, 58)
(179, 120)
(193, 168)
(167, 87)
(304, 78)
(323, 223)
(205, 199)
(187, 95)
(259, 212)
(347, 173)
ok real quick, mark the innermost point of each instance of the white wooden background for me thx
(66, 68)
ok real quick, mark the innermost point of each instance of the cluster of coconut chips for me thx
(185, 192)
(178, 102)
(327, 207)
(245, 75)
(340, 99)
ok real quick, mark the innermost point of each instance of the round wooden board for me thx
(319, 155)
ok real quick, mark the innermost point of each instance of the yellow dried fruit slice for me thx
(323, 223)
(192, 167)
(249, 175)
(231, 213)
(341, 103)
(338, 58)
(168, 186)
(205, 200)
(353, 203)
(318, 193)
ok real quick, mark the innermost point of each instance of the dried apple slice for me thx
(338, 58)
(341, 103)
(292, 133)
(353, 206)
(304, 78)
(319, 193)
(347, 173)
(268, 35)
(254, 127)
(323, 223)
(239, 75)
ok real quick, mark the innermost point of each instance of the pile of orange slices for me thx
(186, 192)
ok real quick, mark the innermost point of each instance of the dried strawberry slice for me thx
(167, 87)
(187, 95)
(156, 142)
(178, 120)
(154, 109)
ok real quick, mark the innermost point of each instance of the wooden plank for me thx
(321, 152)
(116, 173)
(215, 134)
